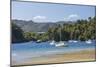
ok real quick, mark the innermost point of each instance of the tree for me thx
(17, 33)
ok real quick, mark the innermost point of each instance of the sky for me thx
(50, 12)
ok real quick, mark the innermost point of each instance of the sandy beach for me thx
(84, 55)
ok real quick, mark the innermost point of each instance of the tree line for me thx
(79, 30)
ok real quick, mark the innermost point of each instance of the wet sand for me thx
(80, 56)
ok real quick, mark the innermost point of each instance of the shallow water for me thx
(22, 51)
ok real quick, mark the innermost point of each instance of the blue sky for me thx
(44, 12)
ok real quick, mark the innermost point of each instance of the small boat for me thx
(52, 42)
(75, 41)
(38, 41)
(88, 41)
(70, 41)
(60, 44)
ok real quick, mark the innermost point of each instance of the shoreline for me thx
(79, 56)
(25, 41)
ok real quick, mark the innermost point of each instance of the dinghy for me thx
(52, 42)
(75, 41)
(60, 44)
(38, 41)
(88, 41)
(70, 41)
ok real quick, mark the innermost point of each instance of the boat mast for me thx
(60, 32)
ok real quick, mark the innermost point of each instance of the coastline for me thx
(79, 56)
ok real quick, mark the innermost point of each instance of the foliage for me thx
(79, 30)
(30, 36)
(17, 33)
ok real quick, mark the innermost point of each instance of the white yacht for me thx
(70, 41)
(75, 41)
(38, 41)
(88, 41)
(60, 43)
(52, 42)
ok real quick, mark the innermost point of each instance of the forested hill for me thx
(79, 30)
(31, 26)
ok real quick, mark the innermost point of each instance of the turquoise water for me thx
(22, 51)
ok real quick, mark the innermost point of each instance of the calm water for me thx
(31, 49)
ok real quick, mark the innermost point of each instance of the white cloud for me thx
(72, 17)
(39, 17)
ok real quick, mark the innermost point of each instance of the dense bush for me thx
(79, 30)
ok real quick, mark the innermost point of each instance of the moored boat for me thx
(88, 41)
(60, 44)
(38, 41)
(52, 42)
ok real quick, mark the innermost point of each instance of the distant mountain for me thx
(31, 26)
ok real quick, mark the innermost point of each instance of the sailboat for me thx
(75, 41)
(88, 41)
(52, 42)
(72, 41)
(61, 43)
(38, 41)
